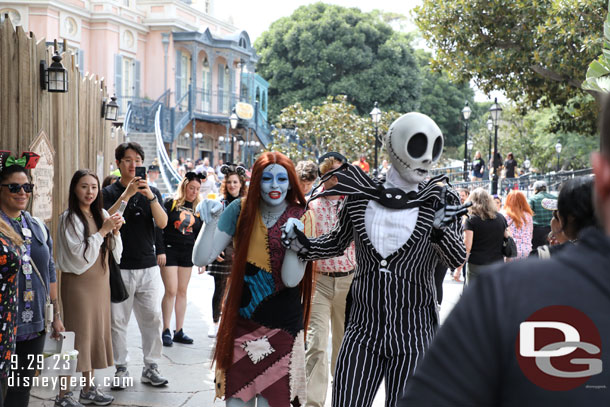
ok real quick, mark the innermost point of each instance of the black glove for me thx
(445, 215)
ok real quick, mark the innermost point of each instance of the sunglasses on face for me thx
(193, 175)
(15, 188)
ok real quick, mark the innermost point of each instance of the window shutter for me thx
(118, 75)
(179, 78)
(81, 61)
(221, 86)
(137, 79)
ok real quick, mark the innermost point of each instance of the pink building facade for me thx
(164, 51)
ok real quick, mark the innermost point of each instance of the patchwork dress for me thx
(269, 347)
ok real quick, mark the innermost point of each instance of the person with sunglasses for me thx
(177, 242)
(36, 277)
(233, 186)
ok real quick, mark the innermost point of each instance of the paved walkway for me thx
(187, 367)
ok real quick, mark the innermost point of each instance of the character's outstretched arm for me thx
(212, 240)
(330, 245)
(446, 234)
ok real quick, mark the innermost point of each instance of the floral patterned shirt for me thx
(10, 263)
(522, 236)
(326, 211)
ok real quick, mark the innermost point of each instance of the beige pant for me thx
(144, 300)
(328, 306)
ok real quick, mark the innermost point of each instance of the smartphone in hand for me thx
(141, 172)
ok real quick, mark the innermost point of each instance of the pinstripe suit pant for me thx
(385, 339)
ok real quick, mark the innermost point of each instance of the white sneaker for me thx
(213, 331)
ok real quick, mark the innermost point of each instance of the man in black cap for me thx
(153, 175)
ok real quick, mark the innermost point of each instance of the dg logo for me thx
(559, 348)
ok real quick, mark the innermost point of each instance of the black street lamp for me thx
(490, 127)
(469, 145)
(558, 148)
(376, 117)
(495, 111)
(233, 119)
(466, 114)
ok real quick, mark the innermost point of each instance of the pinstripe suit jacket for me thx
(394, 297)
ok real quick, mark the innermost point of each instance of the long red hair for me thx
(516, 207)
(223, 354)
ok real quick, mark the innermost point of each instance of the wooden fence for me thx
(67, 128)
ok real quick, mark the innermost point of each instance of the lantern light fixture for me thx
(54, 78)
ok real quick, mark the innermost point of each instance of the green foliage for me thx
(533, 135)
(443, 100)
(598, 74)
(323, 50)
(534, 50)
(332, 126)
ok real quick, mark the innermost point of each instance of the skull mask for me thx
(414, 143)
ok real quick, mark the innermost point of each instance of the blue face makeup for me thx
(274, 184)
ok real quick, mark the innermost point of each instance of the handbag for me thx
(118, 291)
(509, 247)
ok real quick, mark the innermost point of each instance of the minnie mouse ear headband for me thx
(28, 160)
(229, 168)
(195, 176)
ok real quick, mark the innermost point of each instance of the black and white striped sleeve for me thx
(335, 242)
(451, 245)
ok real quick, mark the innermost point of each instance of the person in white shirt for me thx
(87, 237)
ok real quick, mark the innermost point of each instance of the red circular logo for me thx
(559, 348)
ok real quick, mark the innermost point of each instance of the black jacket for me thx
(473, 359)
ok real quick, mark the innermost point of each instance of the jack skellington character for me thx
(401, 229)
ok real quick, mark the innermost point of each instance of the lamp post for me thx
(466, 114)
(490, 127)
(469, 145)
(233, 119)
(558, 148)
(376, 117)
(527, 164)
(495, 111)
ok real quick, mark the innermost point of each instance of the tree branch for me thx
(554, 76)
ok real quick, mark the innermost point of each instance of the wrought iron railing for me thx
(214, 103)
(170, 176)
(141, 112)
(526, 182)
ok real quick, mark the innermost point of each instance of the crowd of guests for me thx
(533, 224)
(124, 220)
